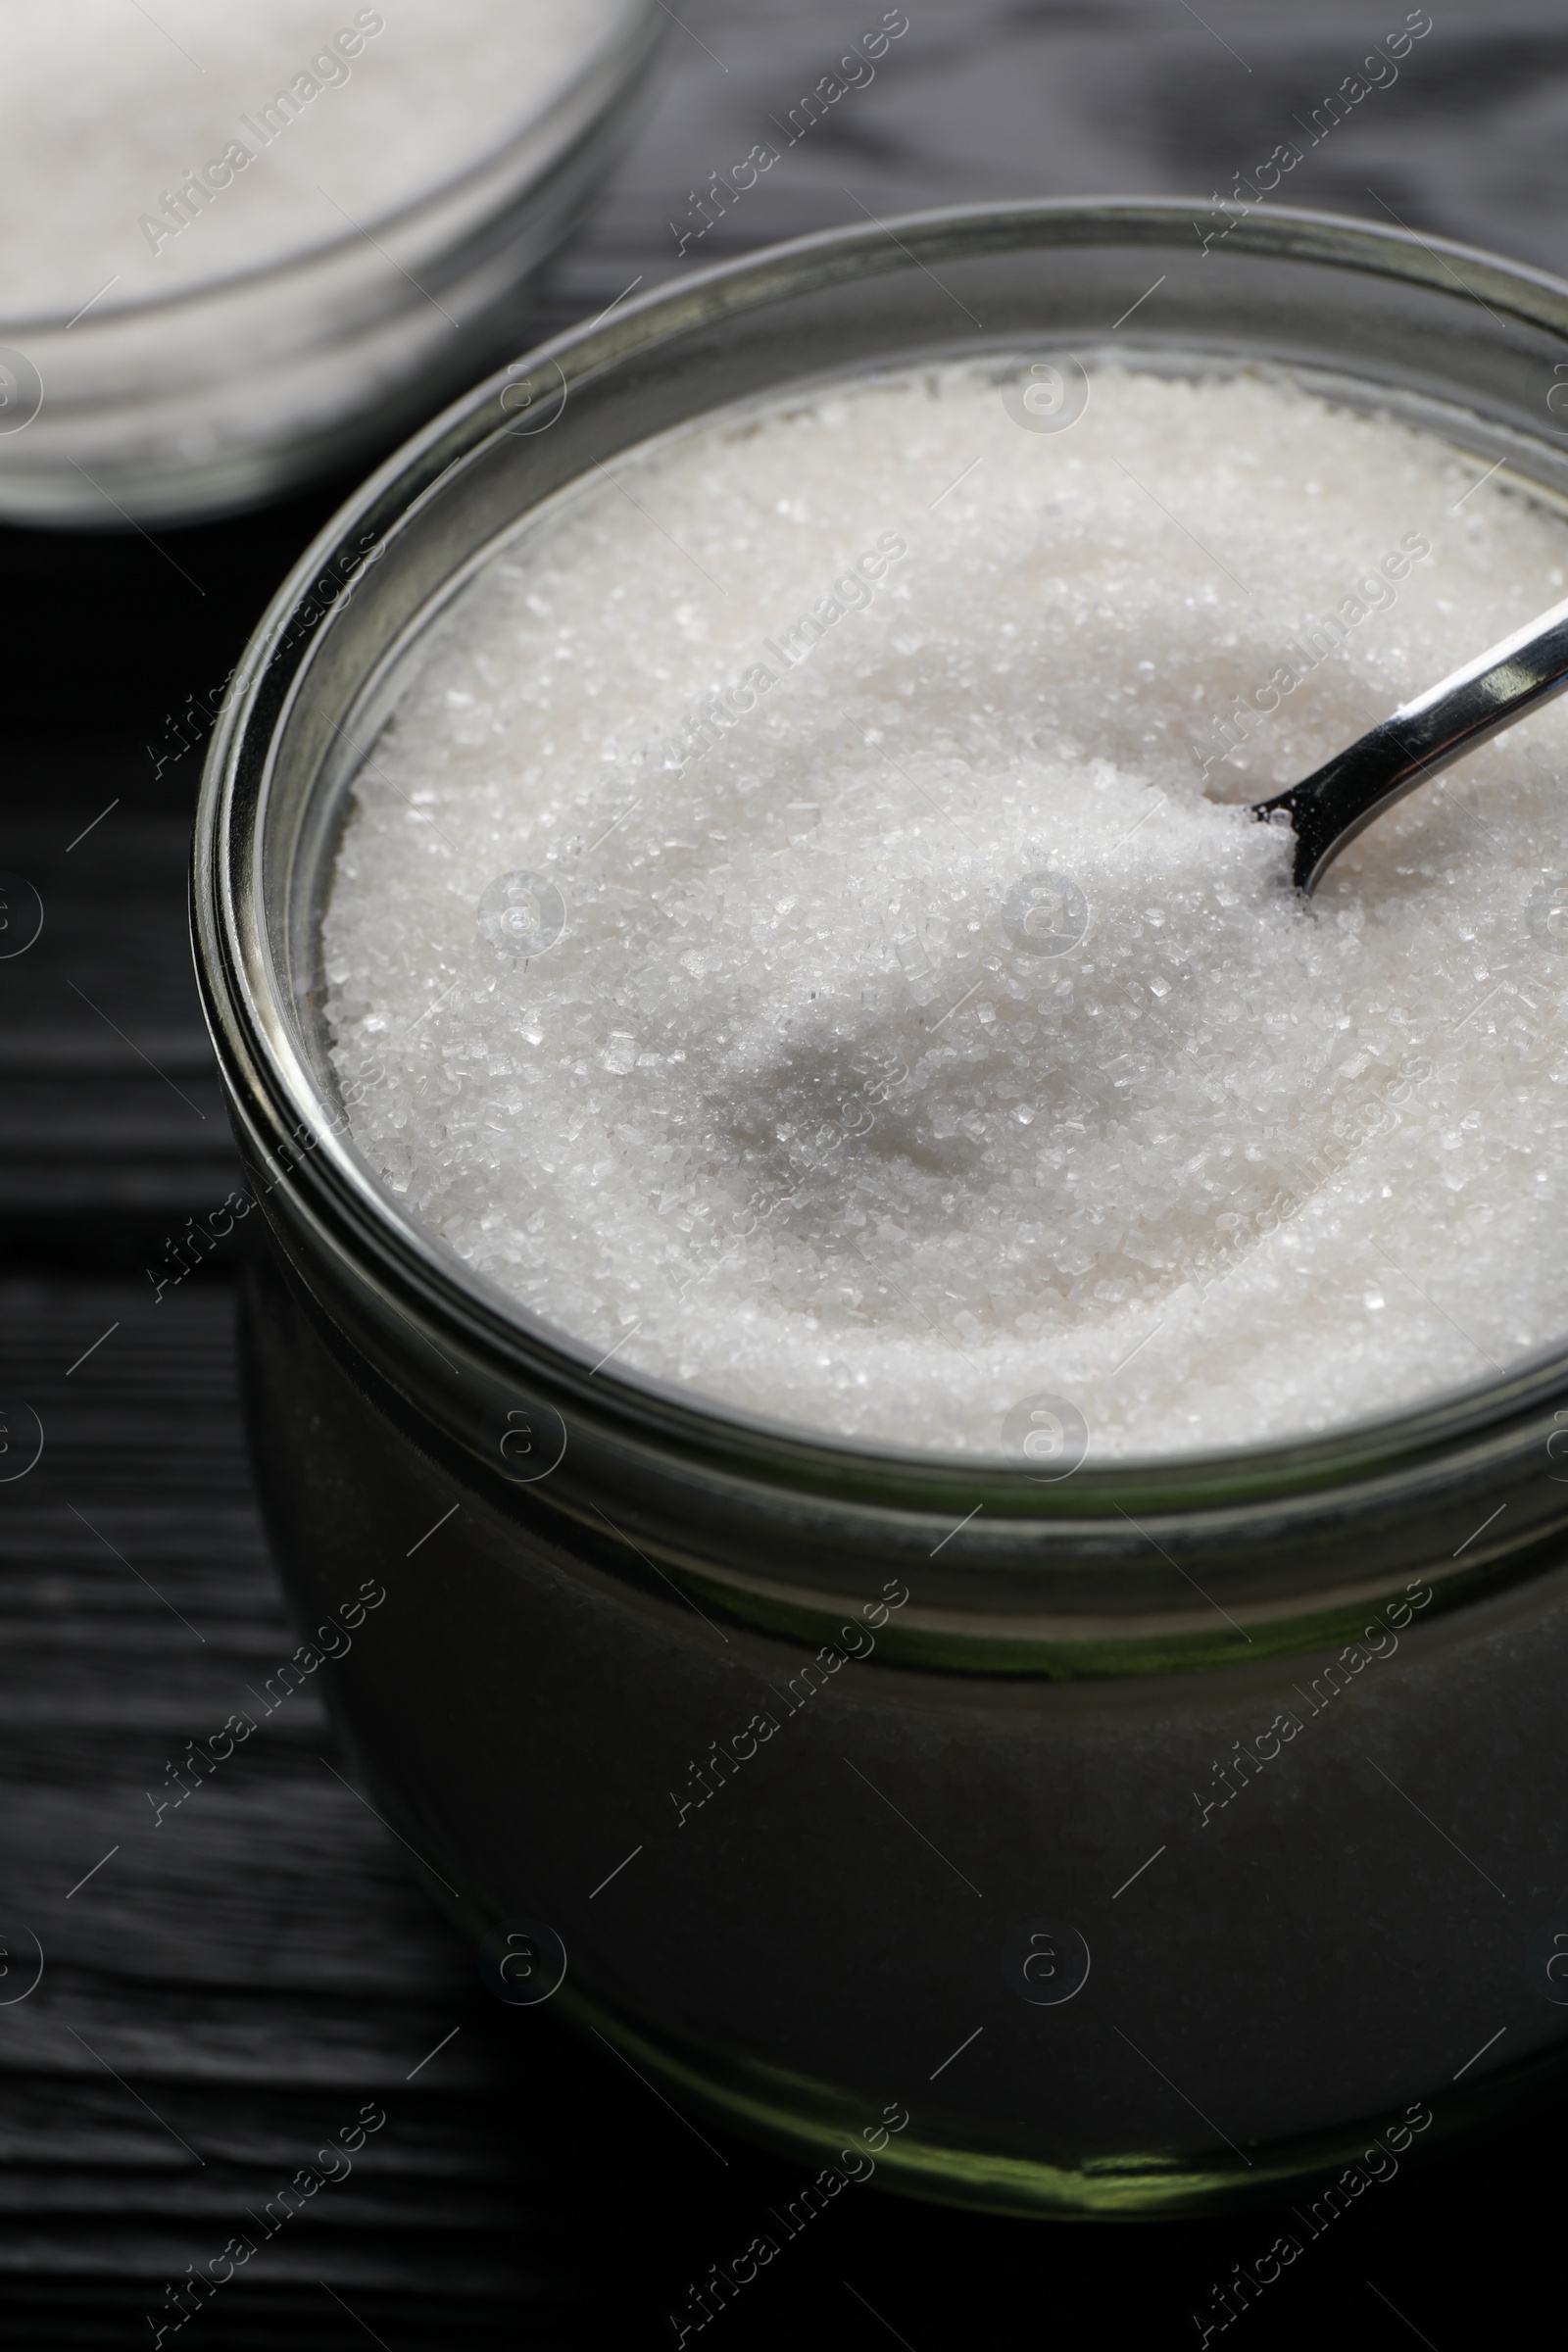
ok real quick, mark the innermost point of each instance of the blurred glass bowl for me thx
(224, 393)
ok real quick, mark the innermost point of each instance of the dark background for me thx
(232, 1985)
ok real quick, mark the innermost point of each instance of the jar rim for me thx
(275, 1090)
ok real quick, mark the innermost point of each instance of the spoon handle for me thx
(1329, 807)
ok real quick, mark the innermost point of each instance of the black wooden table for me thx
(228, 1983)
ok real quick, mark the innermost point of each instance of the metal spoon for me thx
(1332, 805)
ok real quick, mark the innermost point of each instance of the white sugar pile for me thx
(144, 151)
(906, 1033)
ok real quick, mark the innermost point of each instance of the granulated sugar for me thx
(891, 1024)
(142, 151)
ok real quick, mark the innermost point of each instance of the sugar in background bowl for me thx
(250, 323)
(1082, 1991)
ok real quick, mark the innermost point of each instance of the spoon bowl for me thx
(1331, 807)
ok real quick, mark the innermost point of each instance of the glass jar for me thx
(1113, 1846)
(232, 390)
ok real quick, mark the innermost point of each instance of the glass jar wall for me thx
(1103, 1829)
